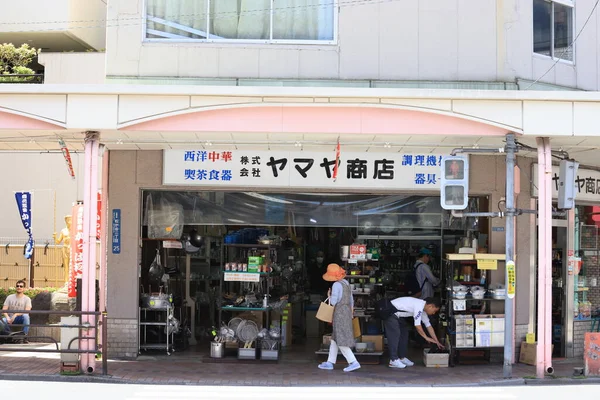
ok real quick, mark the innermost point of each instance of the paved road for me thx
(55, 390)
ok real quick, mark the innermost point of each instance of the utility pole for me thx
(510, 272)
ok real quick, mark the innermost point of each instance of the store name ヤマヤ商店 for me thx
(587, 184)
(243, 168)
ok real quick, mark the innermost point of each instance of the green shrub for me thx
(29, 292)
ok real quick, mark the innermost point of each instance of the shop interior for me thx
(585, 269)
(245, 268)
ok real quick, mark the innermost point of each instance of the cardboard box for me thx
(377, 339)
(528, 353)
(438, 360)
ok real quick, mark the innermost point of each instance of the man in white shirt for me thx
(396, 327)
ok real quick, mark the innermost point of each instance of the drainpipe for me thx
(509, 320)
(104, 218)
(90, 212)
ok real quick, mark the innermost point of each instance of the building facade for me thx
(390, 77)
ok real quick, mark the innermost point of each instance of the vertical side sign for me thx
(116, 231)
(511, 288)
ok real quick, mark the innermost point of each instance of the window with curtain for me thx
(260, 20)
(553, 28)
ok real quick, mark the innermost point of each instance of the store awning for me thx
(135, 117)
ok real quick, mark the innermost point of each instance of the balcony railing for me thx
(17, 78)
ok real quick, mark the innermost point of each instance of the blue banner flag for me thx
(24, 204)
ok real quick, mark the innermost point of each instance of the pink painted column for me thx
(548, 265)
(541, 182)
(544, 322)
(90, 212)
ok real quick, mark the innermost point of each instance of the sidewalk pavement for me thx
(187, 369)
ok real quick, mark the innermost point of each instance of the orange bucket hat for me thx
(334, 273)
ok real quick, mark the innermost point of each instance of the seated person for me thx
(17, 302)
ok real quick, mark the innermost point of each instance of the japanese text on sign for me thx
(301, 169)
(116, 231)
(587, 184)
(241, 277)
(511, 279)
(76, 267)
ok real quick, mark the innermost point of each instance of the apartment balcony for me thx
(54, 25)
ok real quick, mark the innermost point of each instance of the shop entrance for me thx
(235, 259)
(559, 286)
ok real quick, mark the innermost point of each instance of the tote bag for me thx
(325, 311)
(356, 327)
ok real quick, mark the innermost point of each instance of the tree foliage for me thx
(15, 61)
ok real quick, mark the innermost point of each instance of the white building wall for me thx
(425, 40)
(73, 68)
(45, 175)
(61, 21)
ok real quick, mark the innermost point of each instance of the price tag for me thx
(460, 305)
(511, 279)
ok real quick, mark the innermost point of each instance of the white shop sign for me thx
(587, 184)
(301, 169)
(241, 277)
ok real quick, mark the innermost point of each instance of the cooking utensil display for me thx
(234, 323)
(247, 332)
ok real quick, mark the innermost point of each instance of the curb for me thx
(563, 381)
(62, 378)
(112, 380)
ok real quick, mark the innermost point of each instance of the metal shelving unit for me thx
(460, 325)
(262, 275)
(156, 320)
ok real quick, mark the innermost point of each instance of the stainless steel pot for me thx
(160, 300)
(217, 350)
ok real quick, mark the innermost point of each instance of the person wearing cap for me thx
(427, 280)
(340, 297)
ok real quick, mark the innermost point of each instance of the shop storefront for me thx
(575, 266)
(238, 230)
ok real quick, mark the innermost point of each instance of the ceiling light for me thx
(297, 144)
(314, 221)
(31, 141)
(387, 145)
(119, 141)
(208, 143)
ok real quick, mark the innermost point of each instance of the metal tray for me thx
(269, 354)
(246, 354)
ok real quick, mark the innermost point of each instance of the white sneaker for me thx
(396, 364)
(407, 362)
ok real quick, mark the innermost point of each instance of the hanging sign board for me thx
(587, 183)
(358, 252)
(241, 277)
(491, 265)
(76, 267)
(512, 279)
(301, 169)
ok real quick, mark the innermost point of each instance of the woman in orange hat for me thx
(340, 296)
